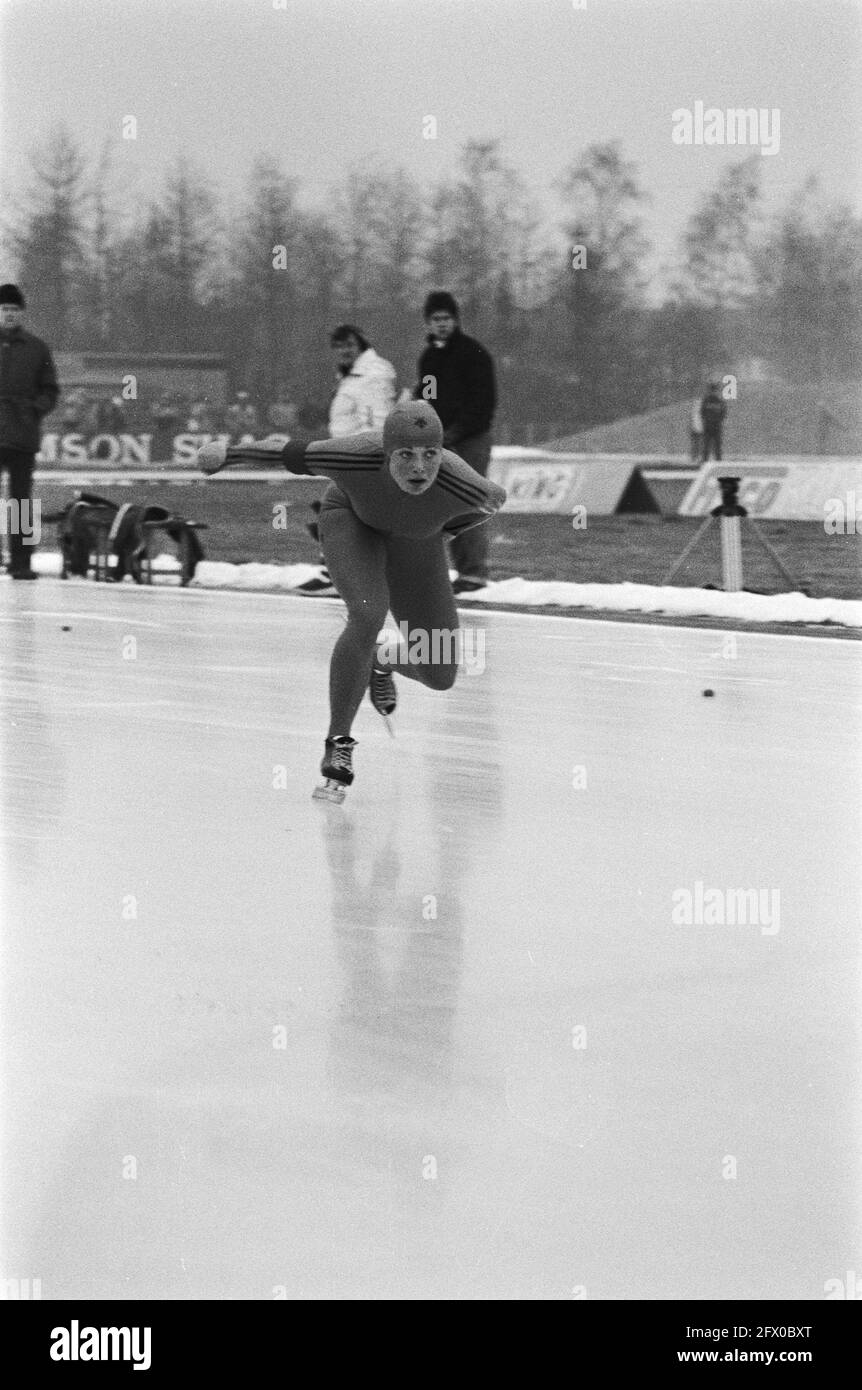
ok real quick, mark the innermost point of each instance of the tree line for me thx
(577, 338)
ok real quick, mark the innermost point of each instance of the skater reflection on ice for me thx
(400, 924)
(400, 953)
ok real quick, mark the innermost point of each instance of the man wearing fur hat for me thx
(28, 391)
(395, 495)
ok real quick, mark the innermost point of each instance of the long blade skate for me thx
(383, 695)
(330, 790)
(336, 770)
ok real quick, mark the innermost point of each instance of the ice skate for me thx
(336, 769)
(382, 693)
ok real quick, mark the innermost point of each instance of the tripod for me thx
(730, 513)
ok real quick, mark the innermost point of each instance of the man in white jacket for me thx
(366, 391)
(364, 397)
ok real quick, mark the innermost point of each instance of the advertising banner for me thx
(789, 489)
(559, 482)
(114, 452)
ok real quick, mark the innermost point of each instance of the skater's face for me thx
(414, 470)
(347, 352)
(441, 325)
(10, 315)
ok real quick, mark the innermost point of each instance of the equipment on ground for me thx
(94, 531)
(731, 514)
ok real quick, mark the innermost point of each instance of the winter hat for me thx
(10, 294)
(440, 302)
(412, 425)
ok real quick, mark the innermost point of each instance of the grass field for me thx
(609, 550)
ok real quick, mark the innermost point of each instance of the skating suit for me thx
(383, 547)
(458, 499)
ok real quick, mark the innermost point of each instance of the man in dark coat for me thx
(712, 412)
(456, 377)
(28, 391)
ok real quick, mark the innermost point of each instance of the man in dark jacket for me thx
(712, 412)
(28, 391)
(456, 377)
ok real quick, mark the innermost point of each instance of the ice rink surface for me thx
(447, 1041)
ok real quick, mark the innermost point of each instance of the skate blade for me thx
(334, 792)
(390, 727)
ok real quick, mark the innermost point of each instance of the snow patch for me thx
(613, 598)
(650, 598)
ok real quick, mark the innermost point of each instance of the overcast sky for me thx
(323, 83)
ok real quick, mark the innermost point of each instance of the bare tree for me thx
(48, 241)
(169, 266)
(481, 237)
(810, 280)
(264, 290)
(599, 288)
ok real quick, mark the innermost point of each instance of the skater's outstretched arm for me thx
(216, 455)
(322, 458)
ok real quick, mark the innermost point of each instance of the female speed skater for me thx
(395, 495)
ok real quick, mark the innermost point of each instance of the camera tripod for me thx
(730, 513)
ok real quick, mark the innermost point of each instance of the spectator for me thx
(456, 376)
(166, 419)
(71, 413)
(113, 416)
(28, 392)
(282, 415)
(232, 416)
(713, 411)
(366, 389)
(92, 414)
(826, 422)
(201, 418)
(233, 419)
(166, 413)
(696, 432)
(248, 416)
(242, 416)
(309, 425)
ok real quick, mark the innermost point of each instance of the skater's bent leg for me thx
(423, 606)
(356, 558)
